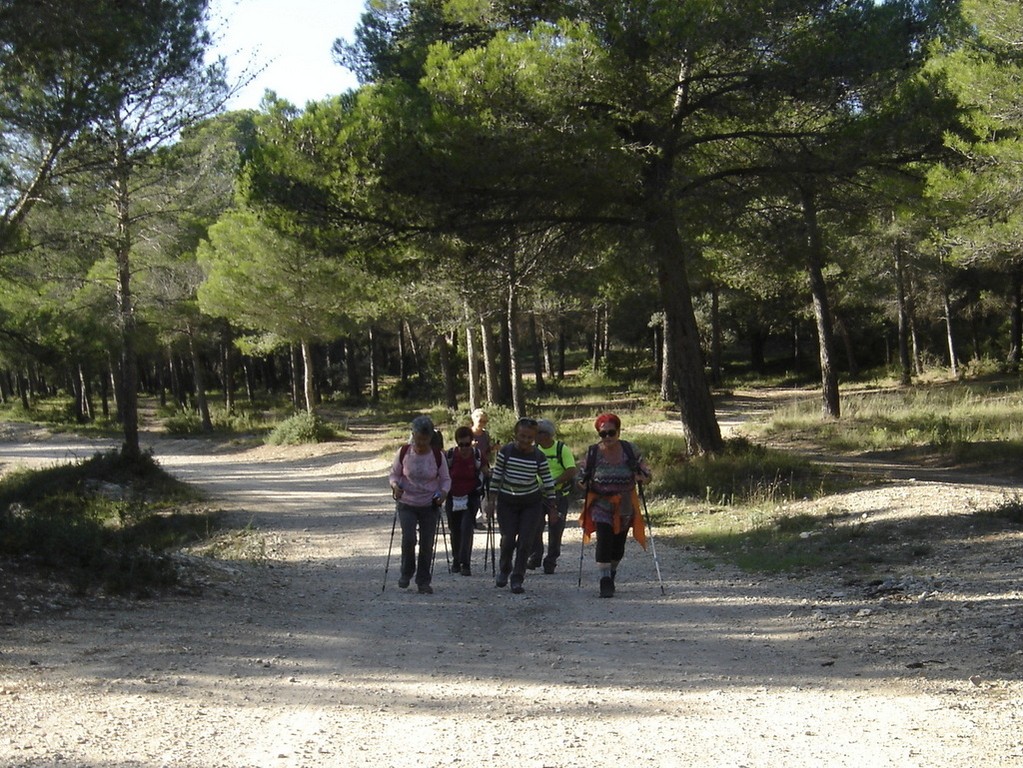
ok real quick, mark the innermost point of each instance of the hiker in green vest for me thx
(563, 469)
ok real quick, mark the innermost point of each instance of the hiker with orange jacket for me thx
(609, 476)
(420, 483)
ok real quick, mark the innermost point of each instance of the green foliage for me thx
(594, 376)
(188, 422)
(962, 420)
(300, 429)
(744, 474)
(101, 522)
(786, 541)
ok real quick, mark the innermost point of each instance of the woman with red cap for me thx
(609, 476)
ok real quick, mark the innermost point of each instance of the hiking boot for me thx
(502, 580)
(403, 582)
(456, 567)
(548, 568)
(517, 588)
(607, 586)
(533, 563)
(466, 570)
(425, 589)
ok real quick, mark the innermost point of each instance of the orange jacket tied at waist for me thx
(618, 525)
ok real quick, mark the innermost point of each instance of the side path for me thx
(301, 660)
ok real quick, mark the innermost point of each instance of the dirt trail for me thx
(301, 660)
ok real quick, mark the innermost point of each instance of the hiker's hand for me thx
(397, 492)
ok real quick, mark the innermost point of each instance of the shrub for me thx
(300, 429)
(99, 522)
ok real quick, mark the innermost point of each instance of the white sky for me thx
(290, 40)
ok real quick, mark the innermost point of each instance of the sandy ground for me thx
(301, 656)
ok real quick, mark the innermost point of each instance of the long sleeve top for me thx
(521, 474)
(420, 477)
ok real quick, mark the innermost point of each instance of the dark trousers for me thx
(462, 525)
(555, 531)
(424, 521)
(518, 522)
(610, 545)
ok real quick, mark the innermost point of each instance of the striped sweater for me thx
(522, 474)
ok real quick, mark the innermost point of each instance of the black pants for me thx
(518, 521)
(555, 532)
(423, 520)
(610, 545)
(462, 525)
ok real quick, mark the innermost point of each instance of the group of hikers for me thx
(524, 483)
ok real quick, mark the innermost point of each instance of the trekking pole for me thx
(437, 529)
(492, 535)
(387, 565)
(582, 539)
(653, 545)
(582, 549)
(444, 533)
(486, 544)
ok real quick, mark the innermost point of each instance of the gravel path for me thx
(298, 658)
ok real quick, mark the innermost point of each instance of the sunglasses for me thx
(608, 432)
(465, 445)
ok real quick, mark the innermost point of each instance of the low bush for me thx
(300, 429)
(108, 522)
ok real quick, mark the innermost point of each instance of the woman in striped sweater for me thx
(523, 489)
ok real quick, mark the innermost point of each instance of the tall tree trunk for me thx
(715, 336)
(657, 343)
(546, 351)
(229, 354)
(902, 306)
(562, 347)
(250, 379)
(295, 376)
(472, 362)
(86, 389)
(353, 380)
(448, 368)
(1016, 316)
(128, 383)
(831, 406)
(489, 362)
(402, 366)
(308, 369)
(511, 322)
(667, 346)
(26, 402)
(199, 381)
(534, 338)
(605, 332)
(74, 383)
(505, 369)
(108, 386)
(413, 347)
(374, 372)
(953, 360)
(699, 422)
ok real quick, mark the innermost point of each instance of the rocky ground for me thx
(300, 655)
